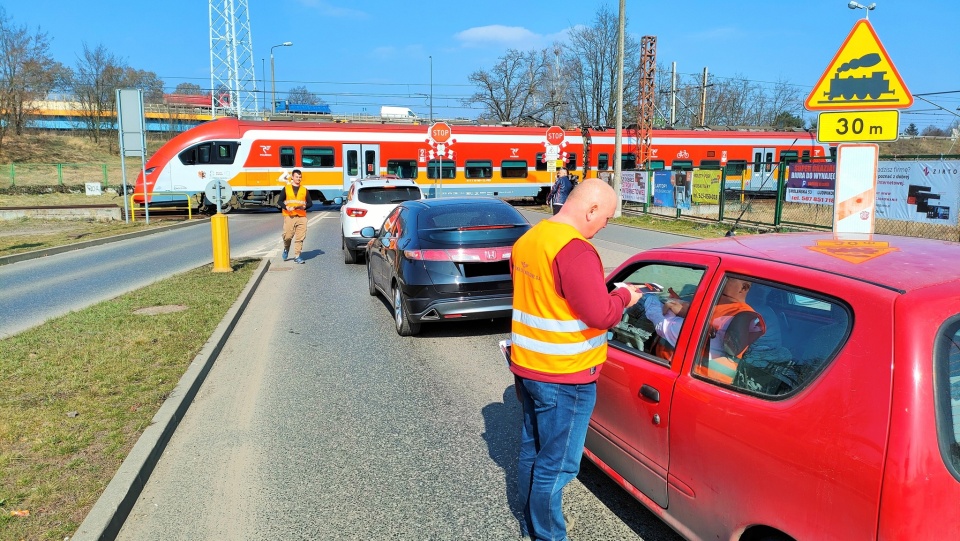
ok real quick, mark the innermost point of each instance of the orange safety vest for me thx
(298, 200)
(720, 364)
(547, 336)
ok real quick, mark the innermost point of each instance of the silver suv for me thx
(367, 203)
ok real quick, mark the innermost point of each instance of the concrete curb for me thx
(114, 505)
(15, 258)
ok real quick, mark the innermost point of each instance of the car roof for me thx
(448, 201)
(900, 263)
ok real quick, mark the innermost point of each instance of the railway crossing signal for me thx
(555, 135)
(860, 76)
(440, 132)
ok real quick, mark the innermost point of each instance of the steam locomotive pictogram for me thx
(848, 88)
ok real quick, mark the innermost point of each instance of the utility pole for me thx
(673, 96)
(617, 147)
(703, 98)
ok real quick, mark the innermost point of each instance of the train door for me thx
(764, 169)
(360, 161)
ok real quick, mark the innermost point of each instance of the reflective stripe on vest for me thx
(298, 198)
(547, 336)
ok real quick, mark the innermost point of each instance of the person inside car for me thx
(734, 326)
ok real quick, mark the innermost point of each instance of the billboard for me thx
(920, 191)
(811, 183)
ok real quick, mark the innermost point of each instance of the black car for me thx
(445, 260)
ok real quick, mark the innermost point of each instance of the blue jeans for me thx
(555, 419)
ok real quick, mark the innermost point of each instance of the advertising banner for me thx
(663, 188)
(706, 187)
(633, 186)
(920, 191)
(811, 183)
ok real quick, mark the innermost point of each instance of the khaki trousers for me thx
(294, 228)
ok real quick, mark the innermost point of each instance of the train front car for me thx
(180, 170)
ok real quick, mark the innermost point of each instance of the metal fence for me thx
(70, 174)
(769, 208)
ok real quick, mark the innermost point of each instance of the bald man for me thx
(561, 313)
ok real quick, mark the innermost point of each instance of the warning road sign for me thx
(861, 76)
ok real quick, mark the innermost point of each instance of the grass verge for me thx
(77, 392)
(28, 234)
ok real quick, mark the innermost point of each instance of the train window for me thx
(478, 169)
(287, 157)
(317, 156)
(603, 161)
(196, 154)
(769, 162)
(402, 168)
(370, 158)
(757, 162)
(833, 154)
(710, 164)
(735, 168)
(224, 152)
(447, 167)
(788, 156)
(805, 157)
(656, 165)
(628, 162)
(513, 169)
(682, 165)
(353, 163)
(541, 163)
(572, 161)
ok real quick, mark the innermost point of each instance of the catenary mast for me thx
(233, 81)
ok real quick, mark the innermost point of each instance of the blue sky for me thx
(362, 54)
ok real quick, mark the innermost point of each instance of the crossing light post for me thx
(273, 78)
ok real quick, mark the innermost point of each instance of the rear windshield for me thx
(383, 195)
(947, 367)
(472, 223)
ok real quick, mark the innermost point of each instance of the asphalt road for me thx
(319, 422)
(36, 290)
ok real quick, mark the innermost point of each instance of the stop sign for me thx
(440, 132)
(555, 135)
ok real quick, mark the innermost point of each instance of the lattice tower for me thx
(646, 110)
(233, 80)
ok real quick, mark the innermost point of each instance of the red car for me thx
(788, 386)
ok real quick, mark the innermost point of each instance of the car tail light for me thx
(356, 213)
(462, 255)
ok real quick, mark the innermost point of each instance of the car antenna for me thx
(732, 231)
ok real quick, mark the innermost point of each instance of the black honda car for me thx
(444, 260)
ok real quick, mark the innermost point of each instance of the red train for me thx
(507, 162)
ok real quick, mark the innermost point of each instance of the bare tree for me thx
(510, 91)
(147, 81)
(188, 88)
(95, 79)
(300, 94)
(591, 66)
(27, 73)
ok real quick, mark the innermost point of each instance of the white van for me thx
(397, 113)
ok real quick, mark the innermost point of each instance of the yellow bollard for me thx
(221, 243)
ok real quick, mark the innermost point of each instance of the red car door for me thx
(629, 428)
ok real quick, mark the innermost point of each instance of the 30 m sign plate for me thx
(858, 126)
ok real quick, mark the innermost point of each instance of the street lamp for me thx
(431, 89)
(858, 5)
(273, 78)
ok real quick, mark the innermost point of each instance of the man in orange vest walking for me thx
(561, 313)
(294, 202)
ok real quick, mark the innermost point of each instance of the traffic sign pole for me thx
(440, 134)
